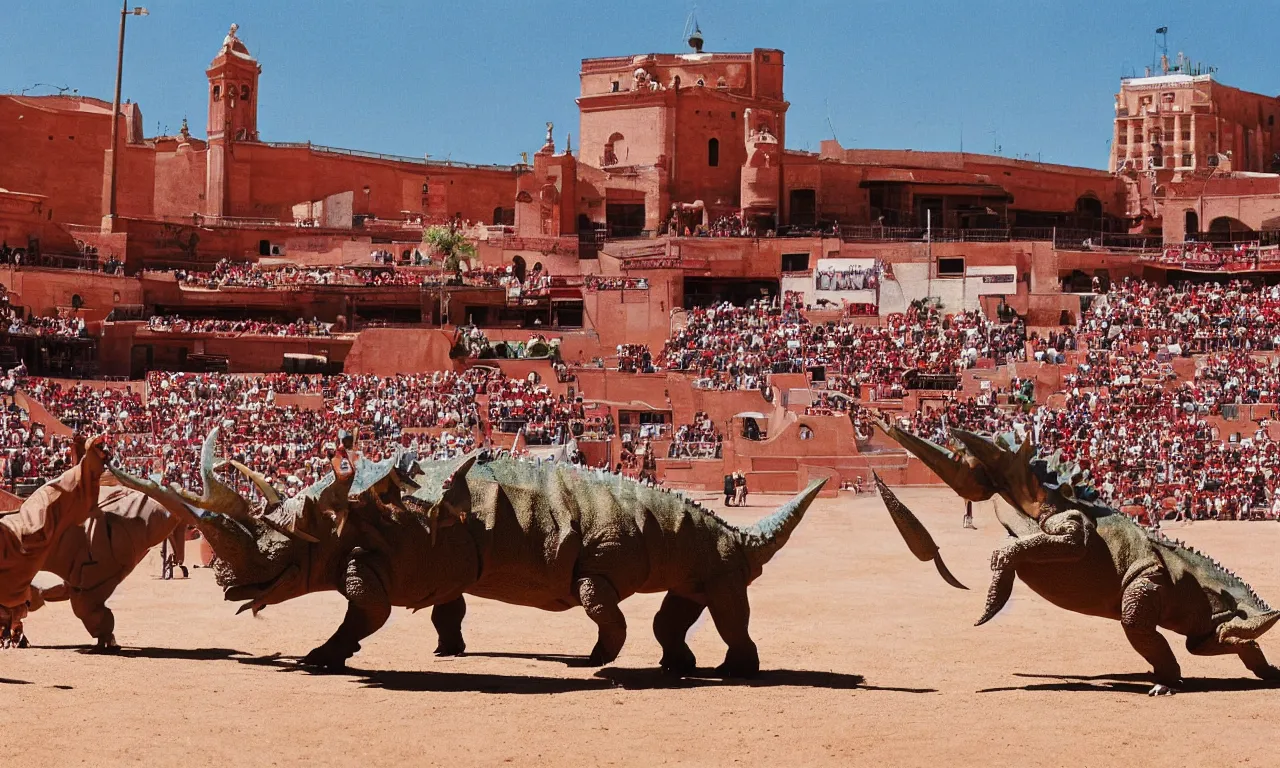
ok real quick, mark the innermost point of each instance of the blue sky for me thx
(477, 80)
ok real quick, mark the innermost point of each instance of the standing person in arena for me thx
(730, 489)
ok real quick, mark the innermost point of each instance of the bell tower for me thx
(233, 116)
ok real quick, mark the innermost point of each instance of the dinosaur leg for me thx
(91, 608)
(1248, 651)
(1140, 615)
(600, 600)
(1064, 539)
(447, 618)
(732, 614)
(671, 626)
(368, 607)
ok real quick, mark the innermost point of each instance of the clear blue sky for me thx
(477, 80)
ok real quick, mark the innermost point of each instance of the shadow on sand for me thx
(1130, 682)
(181, 654)
(644, 679)
(455, 681)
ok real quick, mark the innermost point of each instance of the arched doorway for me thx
(1088, 207)
(1226, 229)
(1191, 225)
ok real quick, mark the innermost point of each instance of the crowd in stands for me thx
(13, 323)
(175, 324)
(698, 440)
(1184, 319)
(615, 283)
(241, 275)
(635, 358)
(730, 347)
(1208, 256)
(520, 405)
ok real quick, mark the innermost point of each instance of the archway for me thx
(1088, 206)
(615, 151)
(1191, 225)
(1225, 229)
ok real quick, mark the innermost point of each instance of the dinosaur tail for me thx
(767, 536)
(1240, 629)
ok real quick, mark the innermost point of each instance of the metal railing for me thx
(381, 156)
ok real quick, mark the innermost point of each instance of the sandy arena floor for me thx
(870, 659)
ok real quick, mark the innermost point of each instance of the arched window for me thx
(244, 93)
(1191, 222)
(425, 187)
(497, 215)
(217, 92)
(615, 151)
(713, 152)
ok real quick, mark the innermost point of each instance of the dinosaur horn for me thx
(177, 503)
(914, 533)
(217, 496)
(963, 474)
(259, 481)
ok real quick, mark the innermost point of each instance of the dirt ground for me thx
(869, 658)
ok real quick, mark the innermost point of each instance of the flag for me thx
(1162, 30)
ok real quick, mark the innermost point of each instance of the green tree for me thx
(450, 243)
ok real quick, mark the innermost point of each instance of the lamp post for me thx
(125, 12)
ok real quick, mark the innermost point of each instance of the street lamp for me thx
(125, 12)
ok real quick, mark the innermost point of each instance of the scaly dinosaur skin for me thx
(549, 536)
(1082, 555)
(92, 559)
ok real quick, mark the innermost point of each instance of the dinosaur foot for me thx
(678, 662)
(106, 644)
(1268, 672)
(324, 659)
(14, 638)
(1160, 689)
(450, 647)
(740, 664)
(600, 656)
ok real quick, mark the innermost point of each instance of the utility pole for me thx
(115, 112)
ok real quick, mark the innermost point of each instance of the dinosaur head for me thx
(262, 558)
(1009, 469)
(963, 472)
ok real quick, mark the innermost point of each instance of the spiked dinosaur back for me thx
(761, 541)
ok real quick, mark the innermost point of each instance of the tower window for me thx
(713, 152)
(217, 92)
(244, 93)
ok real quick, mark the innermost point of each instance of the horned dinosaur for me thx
(546, 535)
(1078, 553)
(29, 535)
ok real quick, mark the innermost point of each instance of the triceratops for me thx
(545, 535)
(1080, 554)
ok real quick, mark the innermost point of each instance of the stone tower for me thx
(233, 116)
